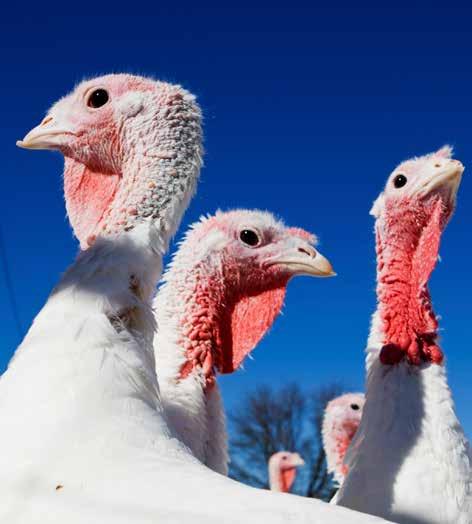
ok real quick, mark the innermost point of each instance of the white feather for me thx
(83, 434)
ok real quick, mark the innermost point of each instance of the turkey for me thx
(341, 419)
(283, 470)
(84, 435)
(409, 461)
(222, 292)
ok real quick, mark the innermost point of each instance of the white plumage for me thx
(83, 423)
(83, 438)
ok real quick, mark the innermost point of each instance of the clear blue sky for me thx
(306, 112)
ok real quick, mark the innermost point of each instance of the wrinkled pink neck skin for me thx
(342, 438)
(408, 240)
(281, 478)
(92, 183)
(286, 479)
(224, 319)
(89, 196)
(144, 153)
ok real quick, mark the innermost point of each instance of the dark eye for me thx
(355, 407)
(400, 181)
(249, 237)
(98, 98)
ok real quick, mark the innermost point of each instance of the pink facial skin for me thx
(410, 221)
(283, 470)
(340, 422)
(120, 154)
(235, 289)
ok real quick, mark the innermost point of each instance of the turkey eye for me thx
(355, 407)
(249, 237)
(400, 181)
(98, 98)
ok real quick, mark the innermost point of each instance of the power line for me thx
(9, 284)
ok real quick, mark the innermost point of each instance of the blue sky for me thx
(307, 109)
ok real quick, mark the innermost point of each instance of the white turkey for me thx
(410, 460)
(84, 437)
(282, 468)
(221, 293)
(341, 419)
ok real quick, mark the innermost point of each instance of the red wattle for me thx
(224, 328)
(88, 197)
(287, 478)
(406, 259)
(250, 319)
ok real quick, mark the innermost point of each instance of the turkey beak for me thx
(49, 134)
(446, 179)
(297, 460)
(304, 259)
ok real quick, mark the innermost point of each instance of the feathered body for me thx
(83, 431)
(84, 427)
(410, 460)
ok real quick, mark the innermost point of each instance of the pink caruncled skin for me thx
(239, 287)
(410, 220)
(128, 142)
(221, 294)
(283, 470)
(340, 422)
(410, 461)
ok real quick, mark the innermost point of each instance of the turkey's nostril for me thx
(310, 252)
(46, 121)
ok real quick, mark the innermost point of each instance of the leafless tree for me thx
(270, 420)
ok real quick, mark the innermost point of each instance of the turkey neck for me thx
(188, 347)
(282, 479)
(409, 460)
(406, 258)
(153, 179)
(338, 446)
(88, 355)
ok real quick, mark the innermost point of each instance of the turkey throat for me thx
(406, 257)
(208, 322)
(223, 324)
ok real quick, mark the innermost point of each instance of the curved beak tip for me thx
(298, 263)
(324, 267)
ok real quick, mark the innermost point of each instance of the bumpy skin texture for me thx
(283, 470)
(341, 419)
(219, 298)
(124, 159)
(410, 460)
(408, 231)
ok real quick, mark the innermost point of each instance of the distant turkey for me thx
(341, 419)
(283, 470)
